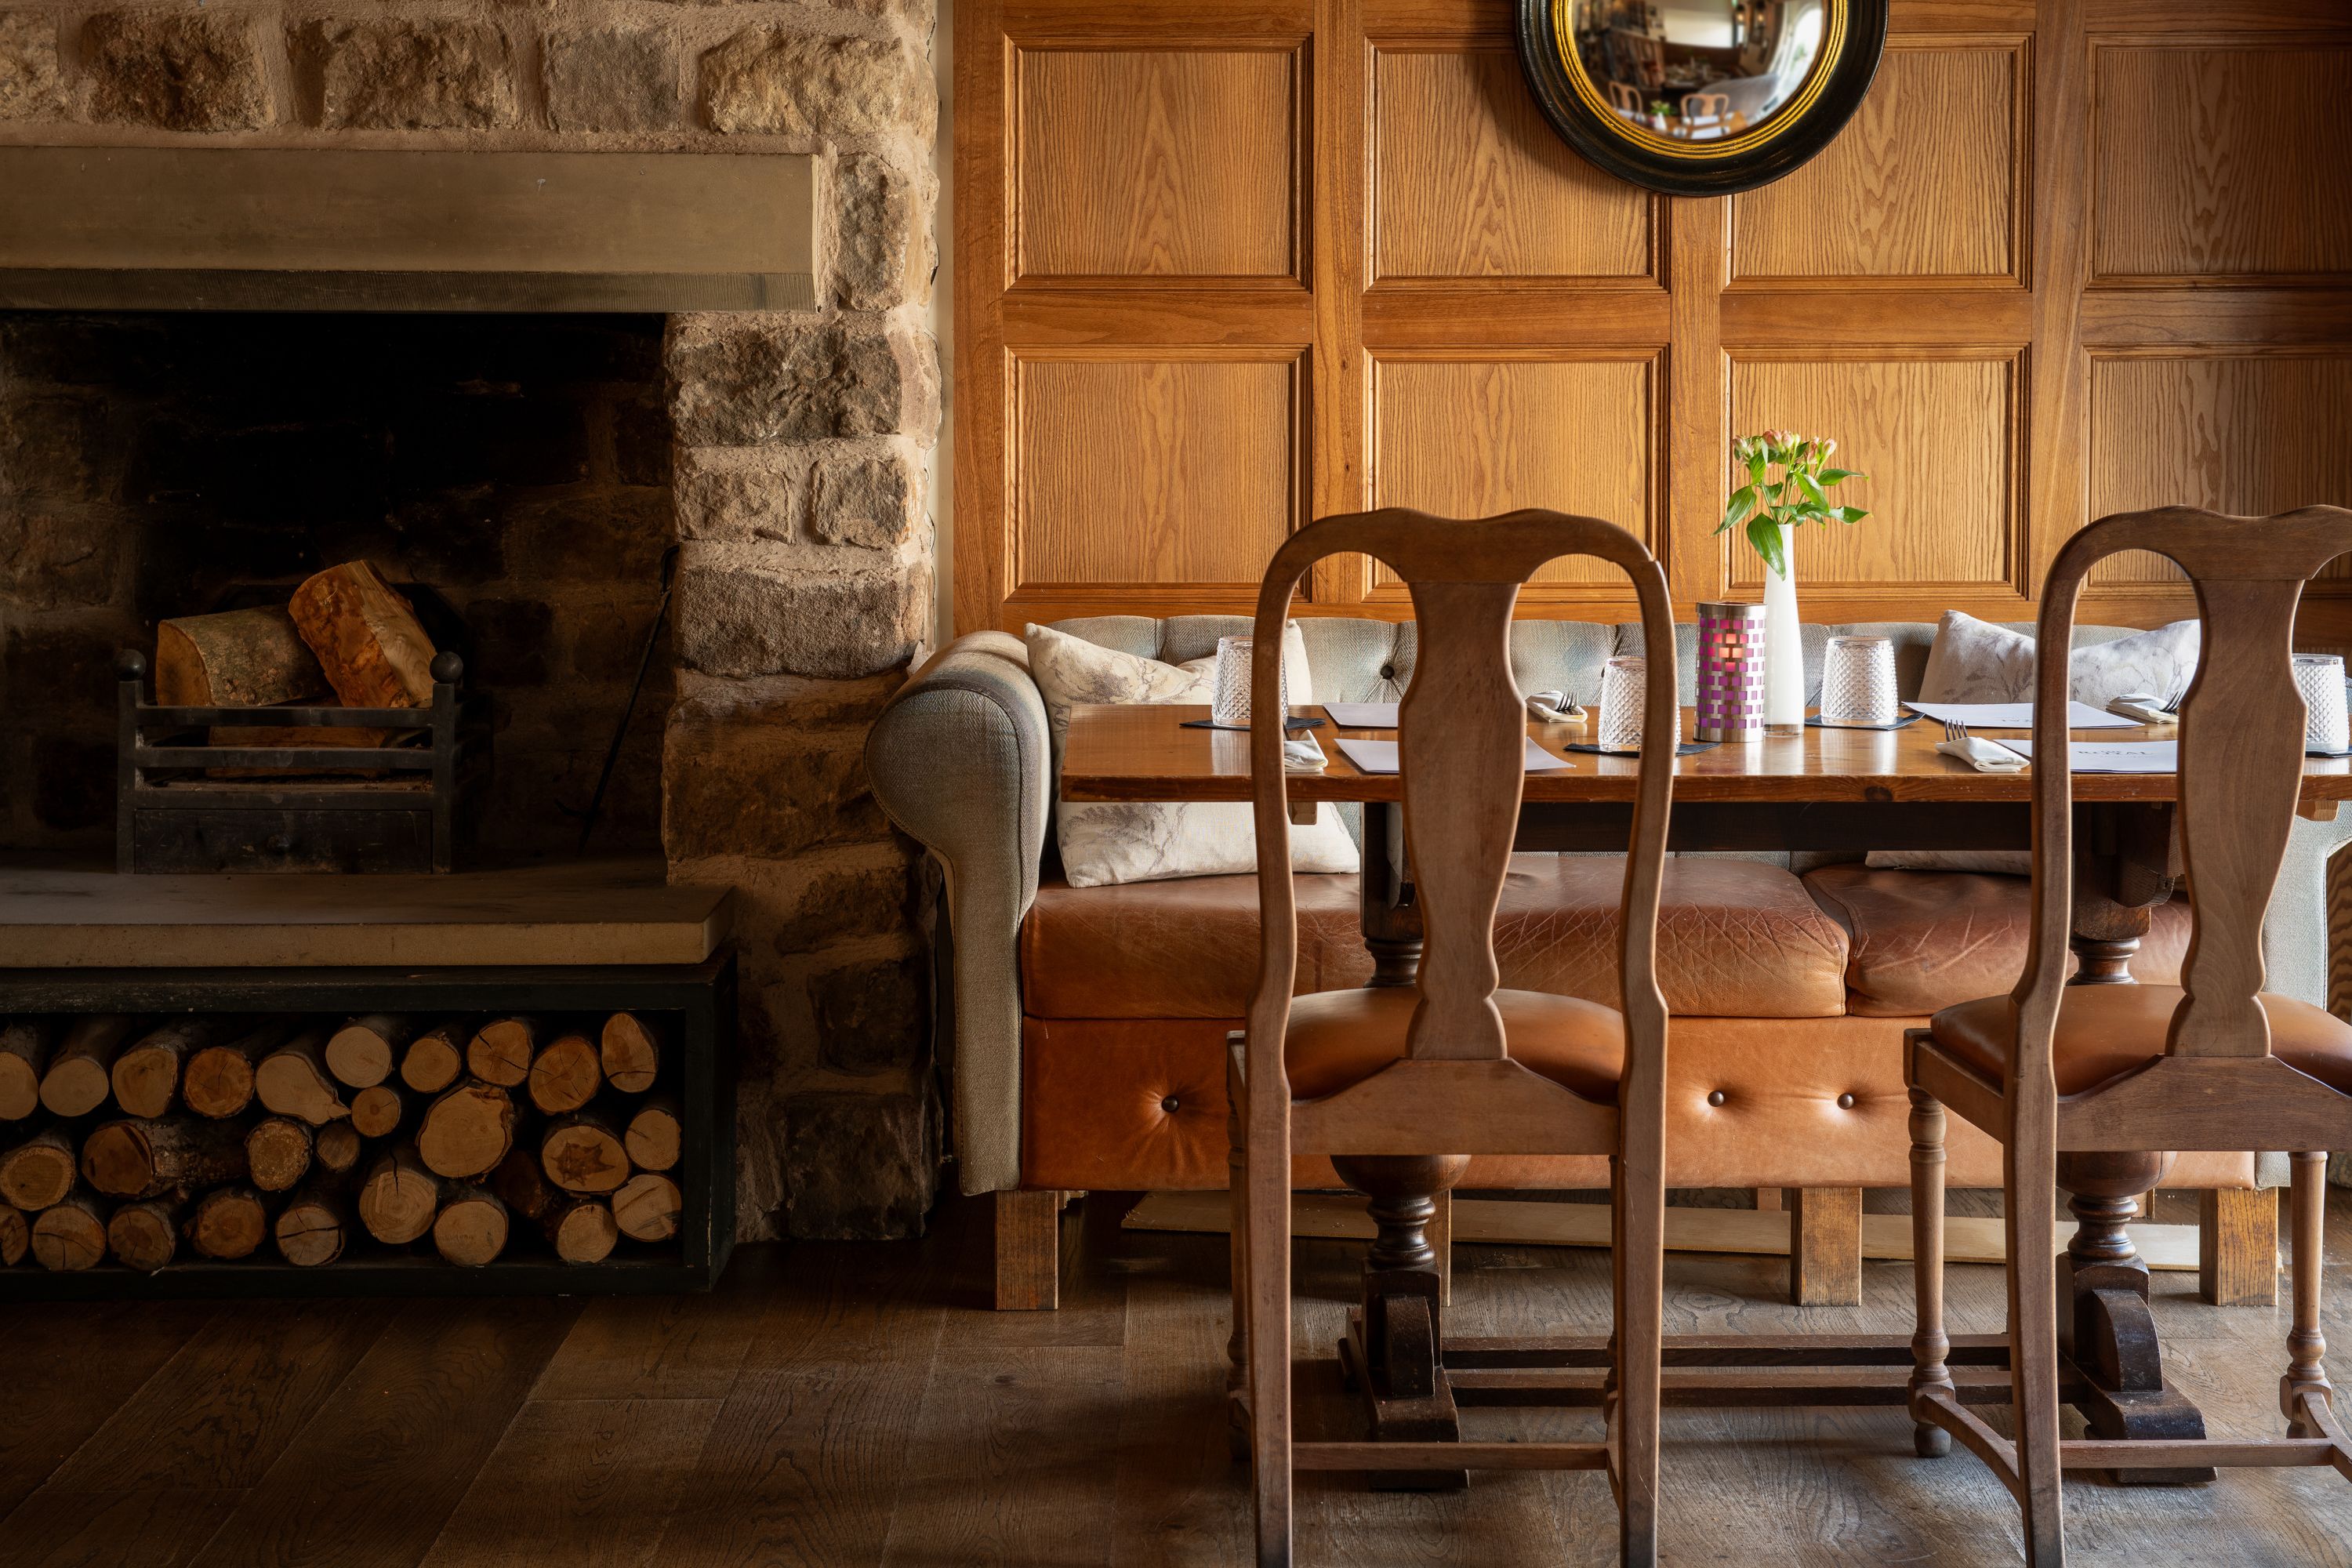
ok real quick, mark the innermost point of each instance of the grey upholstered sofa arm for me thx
(961, 759)
(2297, 946)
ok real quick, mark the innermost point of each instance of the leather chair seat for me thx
(2103, 1030)
(1919, 942)
(1338, 1038)
(1737, 938)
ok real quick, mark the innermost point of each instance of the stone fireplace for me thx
(532, 465)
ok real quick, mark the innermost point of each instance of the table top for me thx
(1135, 752)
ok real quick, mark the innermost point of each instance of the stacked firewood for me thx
(218, 1137)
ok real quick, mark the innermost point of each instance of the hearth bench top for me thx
(62, 914)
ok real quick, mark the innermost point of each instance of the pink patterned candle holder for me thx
(1730, 672)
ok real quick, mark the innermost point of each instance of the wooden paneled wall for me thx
(1227, 265)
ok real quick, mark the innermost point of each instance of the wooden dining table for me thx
(1814, 789)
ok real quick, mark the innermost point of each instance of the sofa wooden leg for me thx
(1825, 1246)
(2237, 1247)
(1028, 1251)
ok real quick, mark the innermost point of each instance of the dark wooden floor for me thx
(855, 1404)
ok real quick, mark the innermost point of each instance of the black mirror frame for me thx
(1577, 125)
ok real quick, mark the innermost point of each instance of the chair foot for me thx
(1028, 1251)
(1930, 1442)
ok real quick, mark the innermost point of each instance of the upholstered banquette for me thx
(1088, 1024)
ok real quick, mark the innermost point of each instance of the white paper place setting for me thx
(2018, 715)
(1380, 756)
(1362, 715)
(2082, 756)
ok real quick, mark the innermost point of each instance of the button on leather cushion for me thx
(2103, 1030)
(1923, 941)
(1342, 1038)
(1737, 939)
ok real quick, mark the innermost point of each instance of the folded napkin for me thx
(2146, 707)
(1303, 756)
(1985, 756)
(1553, 708)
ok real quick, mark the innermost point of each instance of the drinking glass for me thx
(1625, 682)
(2320, 678)
(1230, 704)
(1858, 682)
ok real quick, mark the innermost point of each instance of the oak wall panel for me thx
(1464, 438)
(1937, 437)
(2220, 161)
(1158, 163)
(1468, 180)
(2250, 434)
(1152, 470)
(1926, 181)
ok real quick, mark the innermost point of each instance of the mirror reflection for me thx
(1697, 70)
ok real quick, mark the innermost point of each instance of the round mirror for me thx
(1700, 98)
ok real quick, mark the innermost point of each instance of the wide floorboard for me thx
(858, 1405)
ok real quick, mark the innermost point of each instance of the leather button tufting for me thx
(1172, 1105)
(1387, 672)
(1715, 1097)
(1845, 1102)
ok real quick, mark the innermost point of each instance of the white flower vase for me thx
(1784, 642)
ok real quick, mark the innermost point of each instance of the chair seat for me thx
(1341, 1037)
(2103, 1030)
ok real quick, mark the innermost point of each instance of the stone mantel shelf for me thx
(239, 229)
(65, 915)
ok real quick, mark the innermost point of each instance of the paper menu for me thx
(2116, 757)
(1362, 715)
(2018, 715)
(1380, 756)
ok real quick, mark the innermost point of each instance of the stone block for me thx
(55, 559)
(865, 501)
(73, 783)
(47, 443)
(842, 901)
(28, 67)
(65, 668)
(747, 621)
(774, 82)
(593, 536)
(859, 1166)
(871, 1014)
(873, 212)
(607, 641)
(741, 503)
(770, 778)
(757, 380)
(412, 76)
(641, 447)
(612, 78)
(512, 641)
(182, 70)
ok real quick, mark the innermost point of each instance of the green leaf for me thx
(1755, 467)
(1839, 476)
(1850, 514)
(1742, 504)
(1764, 535)
(1811, 490)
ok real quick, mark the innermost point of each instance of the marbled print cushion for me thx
(1975, 661)
(1107, 842)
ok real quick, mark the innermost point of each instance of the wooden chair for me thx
(1399, 1084)
(2126, 1070)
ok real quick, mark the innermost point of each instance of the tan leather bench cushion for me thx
(2108, 1030)
(1737, 938)
(1925, 941)
(1125, 1104)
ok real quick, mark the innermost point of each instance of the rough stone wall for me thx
(805, 591)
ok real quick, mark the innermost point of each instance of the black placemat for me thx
(1684, 750)
(1813, 722)
(1294, 722)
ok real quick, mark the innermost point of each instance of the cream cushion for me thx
(1976, 661)
(1104, 843)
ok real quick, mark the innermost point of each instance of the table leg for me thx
(2122, 870)
(1390, 916)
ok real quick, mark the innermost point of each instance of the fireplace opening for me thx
(517, 467)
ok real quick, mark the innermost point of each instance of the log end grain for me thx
(359, 1055)
(312, 1232)
(647, 1207)
(630, 1053)
(582, 1230)
(433, 1060)
(336, 1147)
(229, 1224)
(376, 1111)
(15, 1236)
(466, 1132)
(70, 1234)
(400, 1198)
(501, 1051)
(277, 1151)
(76, 1088)
(566, 1075)
(581, 1154)
(471, 1229)
(144, 1236)
(653, 1138)
(39, 1172)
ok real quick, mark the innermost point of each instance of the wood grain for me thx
(1479, 437)
(2249, 435)
(2221, 161)
(1936, 438)
(1159, 163)
(1923, 181)
(1468, 180)
(1153, 470)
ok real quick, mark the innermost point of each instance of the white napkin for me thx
(1303, 756)
(1553, 708)
(1985, 756)
(2143, 706)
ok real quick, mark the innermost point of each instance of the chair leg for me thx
(1028, 1251)
(1930, 1344)
(1268, 1214)
(2031, 1205)
(2237, 1247)
(2305, 1377)
(1640, 1269)
(1237, 1342)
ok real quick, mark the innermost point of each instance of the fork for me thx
(1955, 732)
(2177, 696)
